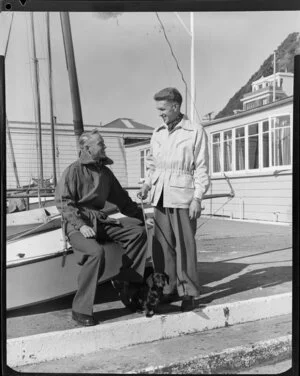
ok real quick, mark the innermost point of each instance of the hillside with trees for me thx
(284, 63)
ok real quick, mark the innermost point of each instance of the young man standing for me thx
(177, 180)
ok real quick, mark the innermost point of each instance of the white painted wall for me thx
(133, 159)
(259, 195)
(25, 150)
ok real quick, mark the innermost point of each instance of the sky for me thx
(123, 60)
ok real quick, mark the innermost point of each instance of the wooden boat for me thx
(39, 268)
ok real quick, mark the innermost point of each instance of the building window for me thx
(216, 154)
(253, 146)
(227, 151)
(143, 155)
(240, 148)
(257, 146)
(265, 144)
(281, 140)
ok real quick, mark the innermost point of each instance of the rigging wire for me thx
(8, 38)
(211, 215)
(177, 63)
(172, 53)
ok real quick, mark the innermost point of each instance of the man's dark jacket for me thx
(84, 188)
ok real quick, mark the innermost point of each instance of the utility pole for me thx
(51, 97)
(37, 107)
(71, 67)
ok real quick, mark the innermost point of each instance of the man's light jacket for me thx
(178, 164)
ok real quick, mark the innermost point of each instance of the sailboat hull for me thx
(33, 278)
(35, 272)
(45, 279)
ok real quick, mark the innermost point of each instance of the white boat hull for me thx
(35, 272)
(46, 279)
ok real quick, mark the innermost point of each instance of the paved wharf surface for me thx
(238, 263)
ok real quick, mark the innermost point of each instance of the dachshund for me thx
(148, 296)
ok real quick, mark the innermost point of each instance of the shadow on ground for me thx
(209, 272)
(260, 278)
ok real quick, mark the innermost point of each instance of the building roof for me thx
(244, 113)
(125, 123)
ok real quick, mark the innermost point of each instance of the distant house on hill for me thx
(117, 134)
(267, 89)
(254, 149)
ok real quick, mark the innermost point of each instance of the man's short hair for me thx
(170, 94)
(86, 136)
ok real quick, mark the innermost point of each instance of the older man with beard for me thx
(81, 194)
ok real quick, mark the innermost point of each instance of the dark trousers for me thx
(174, 250)
(131, 236)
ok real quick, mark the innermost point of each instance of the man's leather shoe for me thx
(188, 303)
(83, 319)
(122, 289)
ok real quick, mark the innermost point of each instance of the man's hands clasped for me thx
(87, 231)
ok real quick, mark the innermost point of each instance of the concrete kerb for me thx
(80, 341)
(235, 358)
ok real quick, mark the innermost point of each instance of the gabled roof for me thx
(125, 123)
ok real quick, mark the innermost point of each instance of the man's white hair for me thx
(86, 136)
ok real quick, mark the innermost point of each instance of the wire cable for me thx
(172, 52)
(177, 63)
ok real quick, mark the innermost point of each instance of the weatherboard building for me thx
(253, 148)
(22, 148)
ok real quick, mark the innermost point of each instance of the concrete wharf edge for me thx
(230, 359)
(79, 341)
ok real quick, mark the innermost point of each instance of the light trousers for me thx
(174, 250)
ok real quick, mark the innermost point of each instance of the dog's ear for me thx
(167, 278)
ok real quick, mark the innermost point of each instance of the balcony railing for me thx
(268, 89)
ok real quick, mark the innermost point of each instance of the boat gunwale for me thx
(32, 260)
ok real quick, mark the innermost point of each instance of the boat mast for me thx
(73, 81)
(193, 92)
(2, 133)
(51, 96)
(38, 105)
(6, 121)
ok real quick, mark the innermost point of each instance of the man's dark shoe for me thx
(169, 298)
(83, 319)
(122, 289)
(188, 303)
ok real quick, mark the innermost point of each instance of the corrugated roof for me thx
(125, 123)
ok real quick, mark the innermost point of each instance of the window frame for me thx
(144, 152)
(247, 170)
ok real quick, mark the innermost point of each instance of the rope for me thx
(144, 215)
(32, 229)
